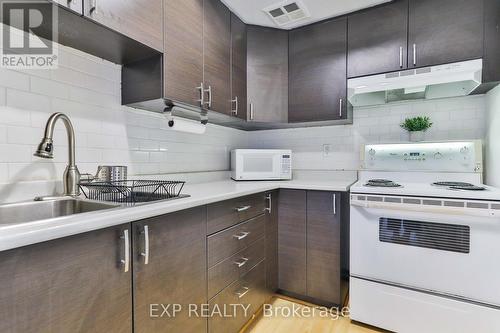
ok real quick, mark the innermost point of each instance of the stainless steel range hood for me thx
(450, 80)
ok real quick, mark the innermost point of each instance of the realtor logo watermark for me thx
(159, 310)
(29, 35)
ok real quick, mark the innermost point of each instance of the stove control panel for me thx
(463, 156)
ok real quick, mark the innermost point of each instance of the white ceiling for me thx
(251, 11)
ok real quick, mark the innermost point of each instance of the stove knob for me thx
(438, 156)
(464, 150)
(372, 152)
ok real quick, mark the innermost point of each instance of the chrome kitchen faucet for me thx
(71, 177)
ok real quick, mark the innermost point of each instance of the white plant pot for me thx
(417, 136)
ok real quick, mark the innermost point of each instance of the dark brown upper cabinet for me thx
(267, 74)
(318, 71)
(491, 61)
(169, 260)
(141, 20)
(74, 5)
(444, 31)
(183, 59)
(238, 67)
(377, 40)
(217, 56)
(72, 284)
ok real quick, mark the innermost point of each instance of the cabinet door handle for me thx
(243, 235)
(126, 246)
(93, 7)
(145, 254)
(201, 88)
(400, 57)
(340, 107)
(245, 291)
(334, 204)
(269, 198)
(251, 111)
(235, 101)
(242, 209)
(241, 263)
(209, 94)
(414, 54)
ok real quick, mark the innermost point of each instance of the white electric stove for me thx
(425, 240)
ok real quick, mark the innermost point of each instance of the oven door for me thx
(442, 252)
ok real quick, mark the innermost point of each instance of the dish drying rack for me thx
(132, 191)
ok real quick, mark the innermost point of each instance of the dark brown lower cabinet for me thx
(292, 241)
(73, 284)
(171, 270)
(297, 245)
(323, 246)
(313, 244)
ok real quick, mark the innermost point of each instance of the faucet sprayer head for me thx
(45, 149)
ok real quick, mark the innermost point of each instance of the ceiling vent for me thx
(287, 12)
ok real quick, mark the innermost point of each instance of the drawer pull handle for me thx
(243, 235)
(242, 209)
(245, 291)
(241, 263)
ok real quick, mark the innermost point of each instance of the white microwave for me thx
(261, 164)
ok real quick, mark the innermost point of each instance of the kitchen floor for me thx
(296, 324)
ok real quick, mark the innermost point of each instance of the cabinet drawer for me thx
(228, 242)
(248, 292)
(222, 215)
(234, 267)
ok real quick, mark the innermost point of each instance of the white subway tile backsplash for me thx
(90, 97)
(4, 172)
(2, 96)
(100, 141)
(22, 135)
(10, 116)
(27, 101)
(3, 134)
(15, 153)
(49, 87)
(454, 119)
(14, 79)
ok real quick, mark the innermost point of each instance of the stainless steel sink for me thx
(30, 211)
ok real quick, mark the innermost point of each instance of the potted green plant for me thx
(417, 127)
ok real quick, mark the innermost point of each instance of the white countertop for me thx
(13, 236)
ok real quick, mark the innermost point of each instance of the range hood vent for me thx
(451, 80)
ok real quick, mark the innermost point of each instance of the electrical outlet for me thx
(327, 149)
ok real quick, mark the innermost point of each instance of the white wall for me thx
(88, 90)
(454, 119)
(493, 138)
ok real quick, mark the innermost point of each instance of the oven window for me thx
(438, 236)
(255, 163)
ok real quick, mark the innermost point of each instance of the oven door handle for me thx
(426, 208)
